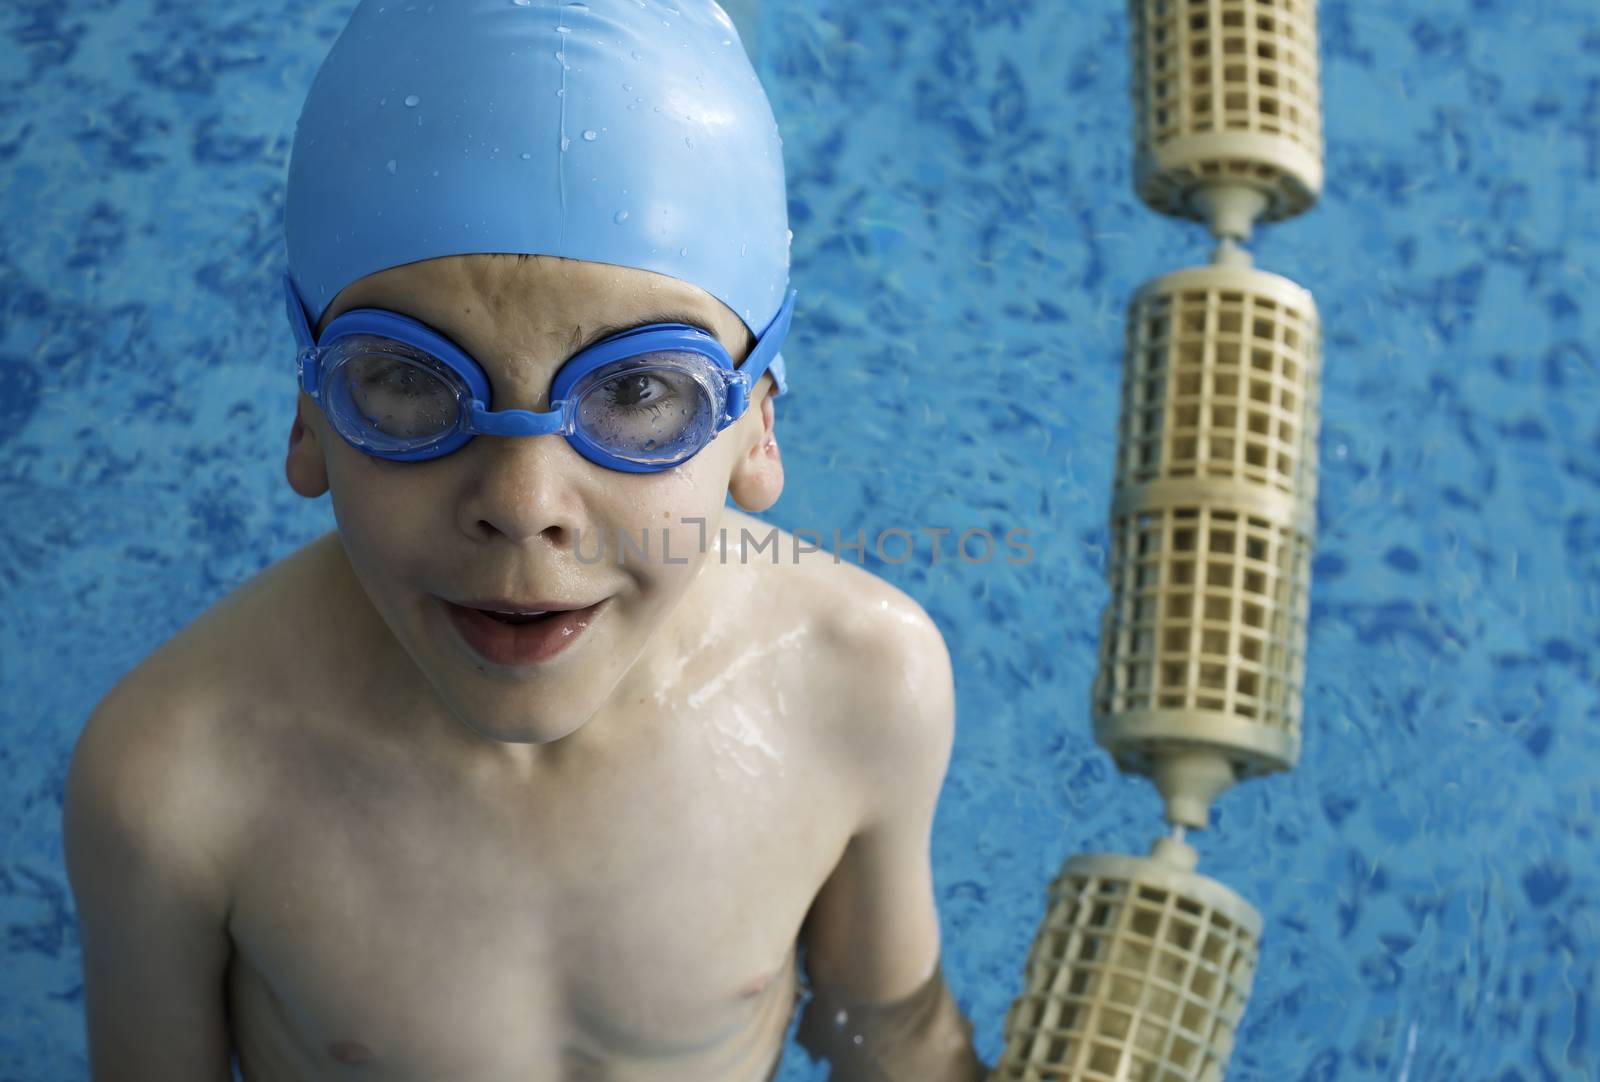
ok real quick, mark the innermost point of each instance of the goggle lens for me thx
(389, 397)
(655, 408)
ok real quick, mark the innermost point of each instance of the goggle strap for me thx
(309, 366)
(767, 346)
(298, 323)
(739, 385)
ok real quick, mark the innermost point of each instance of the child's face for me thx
(507, 517)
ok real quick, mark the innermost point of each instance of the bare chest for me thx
(639, 926)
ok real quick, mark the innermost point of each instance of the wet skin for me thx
(419, 865)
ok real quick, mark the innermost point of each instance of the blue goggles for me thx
(645, 400)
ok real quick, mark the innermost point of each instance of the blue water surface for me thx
(966, 241)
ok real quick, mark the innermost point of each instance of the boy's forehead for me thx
(541, 295)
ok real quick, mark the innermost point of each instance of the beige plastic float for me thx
(1227, 110)
(1142, 967)
(1141, 971)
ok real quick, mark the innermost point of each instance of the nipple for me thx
(756, 987)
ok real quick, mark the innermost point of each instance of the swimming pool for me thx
(966, 241)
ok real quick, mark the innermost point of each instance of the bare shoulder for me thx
(847, 604)
(876, 658)
(133, 773)
(245, 638)
(179, 735)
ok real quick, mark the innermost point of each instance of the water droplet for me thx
(412, 101)
(620, 216)
(382, 102)
(523, 3)
(637, 55)
(590, 135)
(563, 29)
(626, 89)
(744, 247)
(526, 155)
(565, 143)
(788, 236)
(688, 142)
(559, 55)
(392, 166)
(683, 251)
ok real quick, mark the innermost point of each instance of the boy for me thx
(532, 769)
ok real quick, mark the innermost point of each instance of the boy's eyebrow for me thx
(579, 342)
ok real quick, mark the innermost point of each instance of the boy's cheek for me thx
(681, 517)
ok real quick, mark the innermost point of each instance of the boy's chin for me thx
(554, 708)
(525, 730)
(540, 711)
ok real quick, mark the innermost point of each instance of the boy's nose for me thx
(523, 487)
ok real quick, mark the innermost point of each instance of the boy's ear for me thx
(305, 467)
(757, 478)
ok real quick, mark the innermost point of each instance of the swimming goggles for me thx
(644, 400)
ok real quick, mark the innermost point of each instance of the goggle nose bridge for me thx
(481, 421)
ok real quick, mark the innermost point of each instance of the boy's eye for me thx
(647, 410)
(635, 390)
(396, 376)
(399, 398)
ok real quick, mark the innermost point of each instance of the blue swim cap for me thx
(630, 132)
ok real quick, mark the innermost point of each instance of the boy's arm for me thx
(152, 901)
(871, 937)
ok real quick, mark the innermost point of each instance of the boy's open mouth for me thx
(516, 619)
(521, 635)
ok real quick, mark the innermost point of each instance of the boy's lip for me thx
(524, 643)
(501, 604)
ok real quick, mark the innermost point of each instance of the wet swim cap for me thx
(631, 132)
